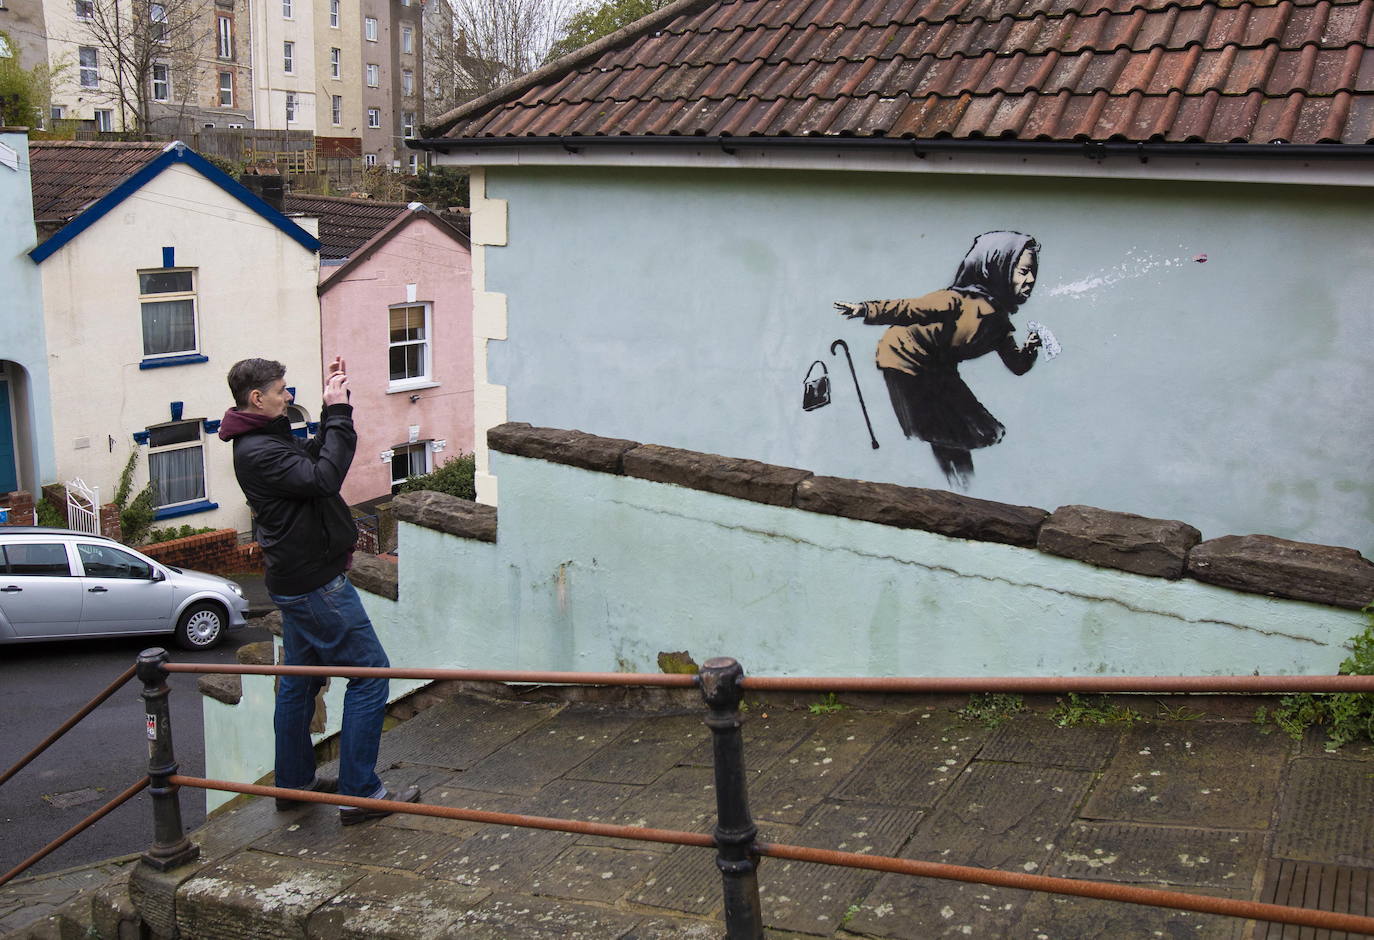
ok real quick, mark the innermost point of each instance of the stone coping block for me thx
(1155, 547)
(1264, 564)
(728, 476)
(369, 573)
(574, 448)
(460, 517)
(910, 507)
(226, 689)
(1162, 548)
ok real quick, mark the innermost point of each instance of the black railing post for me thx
(170, 846)
(735, 829)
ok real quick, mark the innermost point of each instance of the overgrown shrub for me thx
(1346, 716)
(454, 477)
(136, 513)
(155, 536)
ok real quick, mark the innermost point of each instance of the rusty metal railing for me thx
(722, 684)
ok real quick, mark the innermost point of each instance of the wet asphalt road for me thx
(44, 684)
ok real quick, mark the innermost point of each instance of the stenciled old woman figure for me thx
(927, 338)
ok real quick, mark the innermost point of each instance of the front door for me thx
(9, 479)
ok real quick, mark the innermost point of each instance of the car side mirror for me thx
(157, 576)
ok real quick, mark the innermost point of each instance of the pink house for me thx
(398, 308)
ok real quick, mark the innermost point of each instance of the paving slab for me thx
(805, 896)
(913, 767)
(1037, 739)
(258, 896)
(819, 764)
(596, 873)
(1193, 773)
(26, 900)
(1003, 816)
(446, 793)
(1324, 812)
(393, 906)
(1189, 857)
(1056, 917)
(320, 837)
(502, 917)
(686, 881)
(458, 734)
(548, 750)
(1324, 887)
(768, 734)
(645, 751)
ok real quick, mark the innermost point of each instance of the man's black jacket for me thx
(304, 527)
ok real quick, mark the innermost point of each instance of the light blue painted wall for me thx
(598, 573)
(684, 307)
(23, 306)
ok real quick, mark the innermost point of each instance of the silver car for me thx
(58, 584)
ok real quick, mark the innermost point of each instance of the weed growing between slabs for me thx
(1346, 716)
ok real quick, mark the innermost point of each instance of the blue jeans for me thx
(328, 627)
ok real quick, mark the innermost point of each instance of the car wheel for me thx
(201, 626)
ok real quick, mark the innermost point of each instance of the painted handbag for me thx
(816, 389)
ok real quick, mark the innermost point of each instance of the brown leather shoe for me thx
(352, 815)
(321, 785)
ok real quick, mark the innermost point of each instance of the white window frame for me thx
(414, 161)
(89, 74)
(162, 82)
(335, 63)
(336, 110)
(407, 39)
(374, 73)
(224, 36)
(290, 107)
(85, 10)
(374, 117)
(288, 57)
(369, 159)
(333, 14)
(198, 444)
(407, 82)
(370, 28)
(226, 90)
(104, 120)
(157, 15)
(427, 461)
(167, 296)
(57, 112)
(408, 124)
(286, 10)
(425, 376)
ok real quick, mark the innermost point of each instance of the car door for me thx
(123, 592)
(39, 595)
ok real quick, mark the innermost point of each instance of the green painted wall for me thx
(684, 308)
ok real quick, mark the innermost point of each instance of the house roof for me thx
(345, 222)
(69, 175)
(449, 224)
(1209, 71)
(81, 193)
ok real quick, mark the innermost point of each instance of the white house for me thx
(159, 278)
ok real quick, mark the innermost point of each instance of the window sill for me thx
(186, 509)
(411, 386)
(173, 361)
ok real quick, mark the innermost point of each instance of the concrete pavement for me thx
(1195, 796)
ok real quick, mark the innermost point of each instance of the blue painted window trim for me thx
(211, 425)
(176, 152)
(172, 512)
(173, 361)
(140, 437)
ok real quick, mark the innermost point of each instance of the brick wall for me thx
(20, 505)
(218, 552)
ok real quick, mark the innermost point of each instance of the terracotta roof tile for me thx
(345, 222)
(69, 175)
(1201, 70)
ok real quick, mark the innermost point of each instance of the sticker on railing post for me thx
(152, 727)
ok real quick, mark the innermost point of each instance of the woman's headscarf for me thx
(987, 268)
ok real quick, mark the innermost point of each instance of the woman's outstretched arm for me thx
(911, 311)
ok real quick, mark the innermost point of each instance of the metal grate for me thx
(1323, 887)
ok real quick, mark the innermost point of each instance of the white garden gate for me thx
(83, 507)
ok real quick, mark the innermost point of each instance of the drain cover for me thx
(1321, 887)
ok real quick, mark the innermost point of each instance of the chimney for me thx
(265, 181)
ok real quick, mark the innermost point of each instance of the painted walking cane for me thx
(864, 408)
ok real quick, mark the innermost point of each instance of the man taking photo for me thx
(307, 535)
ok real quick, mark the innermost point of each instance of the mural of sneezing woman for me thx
(927, 338)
